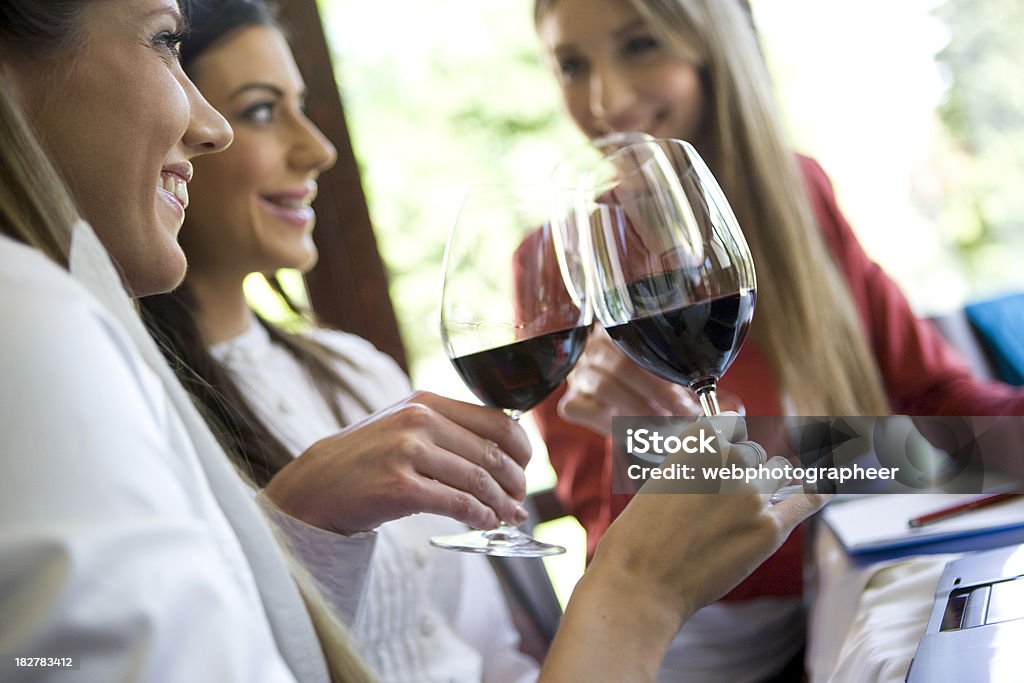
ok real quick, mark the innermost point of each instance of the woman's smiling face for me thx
(250, 207)
(122, 121)
(617, 75)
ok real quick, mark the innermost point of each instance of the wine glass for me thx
(672, 274)
(583, 159)
(512, 321)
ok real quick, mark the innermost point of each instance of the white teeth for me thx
(176, 185)
(296, 204)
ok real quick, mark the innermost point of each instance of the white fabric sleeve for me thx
(340, 564)
(108, 555)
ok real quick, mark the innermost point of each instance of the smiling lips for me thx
(646, 124)
(174, 181)
(292, 206)
(176, 185)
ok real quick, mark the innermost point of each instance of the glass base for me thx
(785, 492)
(505, 541)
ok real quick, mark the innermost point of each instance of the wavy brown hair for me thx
(36, 207)
(173, 320)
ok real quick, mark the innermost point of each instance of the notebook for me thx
(879, 523)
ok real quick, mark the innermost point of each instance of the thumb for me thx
(796, 508)
(729, 426)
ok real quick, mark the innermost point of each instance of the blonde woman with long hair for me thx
(832, 334)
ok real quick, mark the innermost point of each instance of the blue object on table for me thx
(1000, 325)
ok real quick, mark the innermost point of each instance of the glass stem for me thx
(707, 391)
(506, 531)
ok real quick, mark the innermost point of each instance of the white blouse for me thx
(429, 614)
(127, 544)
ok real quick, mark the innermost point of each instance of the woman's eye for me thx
(639, 45)
(570, 68)
(262, 112)
(170, 41)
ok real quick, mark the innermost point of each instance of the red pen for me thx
(954, 510)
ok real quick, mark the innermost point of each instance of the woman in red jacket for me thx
(832, 335)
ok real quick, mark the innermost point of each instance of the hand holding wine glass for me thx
(512, 321)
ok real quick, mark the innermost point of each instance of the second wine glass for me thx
(512, 321)
(672, 276)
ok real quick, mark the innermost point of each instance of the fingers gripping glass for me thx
(512, 322)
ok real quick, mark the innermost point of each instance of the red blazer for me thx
(923, 375)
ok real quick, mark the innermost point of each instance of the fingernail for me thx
(521, 514)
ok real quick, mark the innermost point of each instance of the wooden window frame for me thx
(348, 289)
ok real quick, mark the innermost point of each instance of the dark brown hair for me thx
(39, 28)
(172, 320)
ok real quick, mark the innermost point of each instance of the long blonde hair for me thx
(807, 322)
(37, 209)
(35, 206)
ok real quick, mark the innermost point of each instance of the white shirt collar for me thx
(248, 347)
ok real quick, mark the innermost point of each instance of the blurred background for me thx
(915, 108)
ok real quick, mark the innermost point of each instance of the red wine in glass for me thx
(518, 376)
(691, 342)
(514, 316)
(673, 276)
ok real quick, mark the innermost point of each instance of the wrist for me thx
(269, 500)
(654, 607)
(614, 628)
(287, 497)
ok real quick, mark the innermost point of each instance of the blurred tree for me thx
(439, 94)
(984, 111)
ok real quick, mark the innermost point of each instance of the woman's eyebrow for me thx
(181, 23)
(564, 50)
(630, 27)
(273, 89)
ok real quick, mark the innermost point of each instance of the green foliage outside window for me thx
(984, 60)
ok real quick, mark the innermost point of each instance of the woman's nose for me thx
(207, 131)
(312, 151)
(610, 93)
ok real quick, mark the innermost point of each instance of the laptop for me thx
(976, 629)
